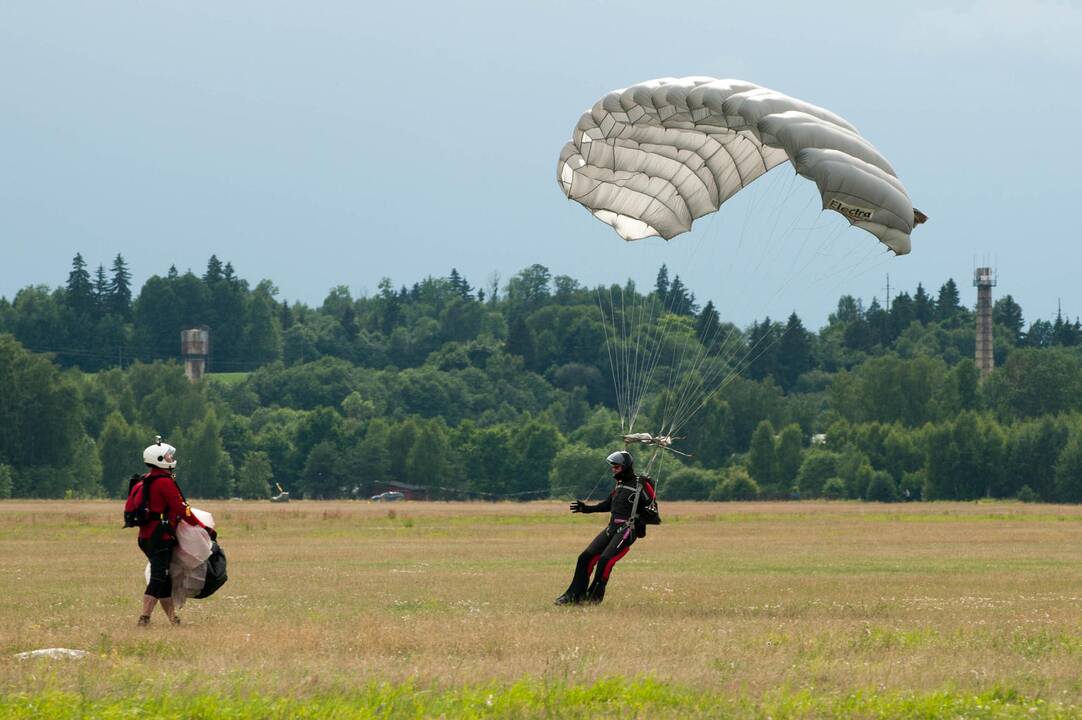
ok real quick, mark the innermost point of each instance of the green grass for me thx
(617, 698)
(227, 378)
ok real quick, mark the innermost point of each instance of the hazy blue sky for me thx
(328, 143)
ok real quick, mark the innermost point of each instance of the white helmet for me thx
(620, 457)
(160, 455)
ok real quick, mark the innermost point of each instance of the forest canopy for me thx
(505, 392)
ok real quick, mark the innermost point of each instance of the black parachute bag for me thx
(216, 575)
(649, 513)
(645, 514)
(136, 509)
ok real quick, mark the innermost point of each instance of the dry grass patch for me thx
(739, 600)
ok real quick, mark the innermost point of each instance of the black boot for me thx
(567, 599)
(596, 593)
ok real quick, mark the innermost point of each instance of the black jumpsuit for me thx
(613, 542)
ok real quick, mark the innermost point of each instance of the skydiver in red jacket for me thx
(166, 507)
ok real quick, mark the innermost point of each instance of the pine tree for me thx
(707, 324)
(901, 314)
(794, 353)
(520, 341)
(208, 470)
(762, 460)
(923, 307)
(948, 304)
(681, 300)
(1064, 332)
(80, 293)
(1039, 334)
(878, 323)
(661, 286)
(349, 322)
(120, 289)
(285, 316)
(255, 476)
(788, 455)
(101, 290)
(1008, 314)
(214, 271)
(262, 336)
(760, 359)
(459, 286)
(849, 310)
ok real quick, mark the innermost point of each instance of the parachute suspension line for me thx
(649, 344)
(682, 371)
(610, 349)
(757, 198)
(627, 325)
(675, 368)
(708, 345)
(689, 409)
(622, 354)
(645, 352)
(686, 372)
(742, 364)
(869, 260)
(750, 356)
(712, 344)
(624, 346)
(644, 315)
(601, 478)
(807, 235)
(692, 380)
(661, 340)
(740, 367)
(692, 398)
(632, 322)
(653, 466)
(692, 383)
(769, 247)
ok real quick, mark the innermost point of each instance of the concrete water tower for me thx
(984, 279)
(194, 348)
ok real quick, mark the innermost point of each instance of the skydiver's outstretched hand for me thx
(578, 506)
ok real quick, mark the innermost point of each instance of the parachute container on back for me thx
(652, 158)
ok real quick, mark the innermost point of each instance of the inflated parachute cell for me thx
(650, 159)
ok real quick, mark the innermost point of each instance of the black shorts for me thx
(160, 554)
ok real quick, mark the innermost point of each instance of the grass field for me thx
(429, 610)
(227, 378)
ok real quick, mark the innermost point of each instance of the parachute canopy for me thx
(652, 158)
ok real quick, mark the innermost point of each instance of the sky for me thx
(335, 143)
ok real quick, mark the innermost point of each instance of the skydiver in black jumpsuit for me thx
(615, 540)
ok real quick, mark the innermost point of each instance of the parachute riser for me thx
(659, 442)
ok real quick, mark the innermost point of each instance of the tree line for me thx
(504, 392)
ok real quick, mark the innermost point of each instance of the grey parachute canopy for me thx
(652, 158)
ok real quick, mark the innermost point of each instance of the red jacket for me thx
(165, 498)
